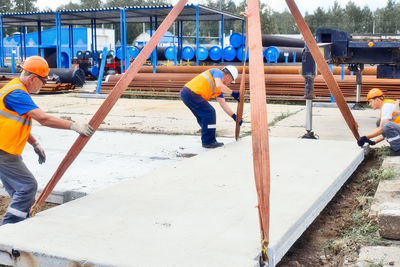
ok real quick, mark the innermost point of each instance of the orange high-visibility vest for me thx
(395, 114)
(204, 85)
(14, 129)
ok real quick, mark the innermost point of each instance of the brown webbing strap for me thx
(259, 122)
(323, 68)
(110, 101)
(240, 106)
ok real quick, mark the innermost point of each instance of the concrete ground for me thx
(335, 161)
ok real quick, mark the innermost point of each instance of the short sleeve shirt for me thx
(20, 102)
(216, 73)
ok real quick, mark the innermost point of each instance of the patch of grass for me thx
(281, 116)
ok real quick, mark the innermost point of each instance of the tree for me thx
(317, 20)
(24, 6)
(386, 19)
(5, 6)
(284, 23)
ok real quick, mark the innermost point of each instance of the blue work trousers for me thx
(19, 184)
(391, 132)
(204, 113)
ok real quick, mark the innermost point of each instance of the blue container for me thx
(202, 53)
(133, 52)
(215, 53)
(170, 52)
(236, 40)
(64, 60)
(94, 71)
(229, 53)
(240, 53)
(271, 54)
(118, 52)
(187, 53)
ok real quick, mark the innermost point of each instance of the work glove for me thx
(40, 152)
(82, 128)
(234, 118)
(236, 95)
(363, 140)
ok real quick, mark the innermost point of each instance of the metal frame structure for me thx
(124, 15)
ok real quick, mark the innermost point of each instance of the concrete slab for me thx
(108, 158)
(198, 212)
(379, 256)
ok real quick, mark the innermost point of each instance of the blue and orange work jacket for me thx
(204, 85)
(14, 129)
(395, 114)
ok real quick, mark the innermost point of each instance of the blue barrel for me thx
(271, 54)
(170, 52)
(215, 53)
(187, 53)
(236, 40)
(202, 53)
(229, 53)
(240, 53)
(118, 52)
(94, 71)
(64, 60)
(79, 54)
(133, 52)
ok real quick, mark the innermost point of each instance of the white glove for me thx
(39, 150)
(82, 128)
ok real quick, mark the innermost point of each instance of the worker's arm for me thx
(48, 120)
(54, 122)
(31, 139)
(379, 139)
(37, 148)
(224, 89)
(225, 106)
(378, 131)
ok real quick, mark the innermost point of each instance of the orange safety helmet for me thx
(374, 92)
(36, 65)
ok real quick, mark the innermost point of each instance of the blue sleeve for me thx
(216, 73)
(20, 102)
(221, 95)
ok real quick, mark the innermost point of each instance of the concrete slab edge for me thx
(12, 257)
(276, 253)
(56, 197)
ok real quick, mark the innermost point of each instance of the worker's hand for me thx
(363, 140)
(83, 129)
(39, 150)
(236, 95)
(234, 118)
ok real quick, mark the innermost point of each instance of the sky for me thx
(277, 5)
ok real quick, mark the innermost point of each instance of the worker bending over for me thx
(388, 124)
(196, 94)
(17, 110)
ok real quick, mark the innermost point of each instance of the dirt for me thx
(312, 248)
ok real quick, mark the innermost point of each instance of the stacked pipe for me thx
(50, 86)
(278, 86)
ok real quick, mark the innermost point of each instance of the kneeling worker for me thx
(196, 94)
(17, 110)
(388, 125)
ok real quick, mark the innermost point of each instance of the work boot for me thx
(213, 145)
(394, 153)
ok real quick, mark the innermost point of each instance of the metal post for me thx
(180, 52)
(39, 36)
(244, 40)
(151, 34)
(20, 44)
(342, 73)
(309, 73)
(58, 30)
(24, 38)
(95, 34)
(92, 42)
(294, 57)
(122, 30)
(13, 52)
(125, 53)
(71, 43)
(101, 73)
(197, 35)
(155, 49)
(222, 37)
(309, 115)
(2, 54)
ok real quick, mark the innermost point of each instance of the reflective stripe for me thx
(23, 120)
(212, 126)
(17, 213)
(10, 87)
(395, 116)
(393, 138)
(212, 85)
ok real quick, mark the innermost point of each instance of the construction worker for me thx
(388, 124)
(17, 110)
(196, 94)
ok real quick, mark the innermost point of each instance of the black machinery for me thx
(341, 48)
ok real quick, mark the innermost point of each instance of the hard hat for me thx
(36, 65)
(233, 71)
(374, 92)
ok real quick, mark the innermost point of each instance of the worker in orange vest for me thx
(196, 94)
(17, 110)
(388, 125)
